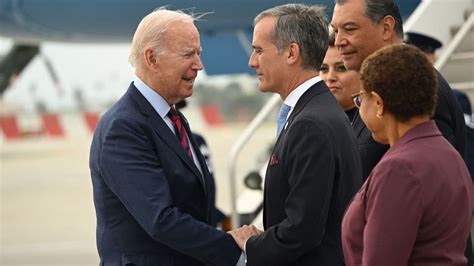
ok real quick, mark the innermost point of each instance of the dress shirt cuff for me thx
(243, 256)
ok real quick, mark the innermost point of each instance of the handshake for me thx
(242, 234)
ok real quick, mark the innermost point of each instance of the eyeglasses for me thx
(356, 98)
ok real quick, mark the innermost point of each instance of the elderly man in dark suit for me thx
(152, 189)
(365, 26)
(314, 169)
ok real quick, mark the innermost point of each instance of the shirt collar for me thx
(155, 99)
(295, 95)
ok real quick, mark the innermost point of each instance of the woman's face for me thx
(341, 82)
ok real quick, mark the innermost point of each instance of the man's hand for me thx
(242, 234)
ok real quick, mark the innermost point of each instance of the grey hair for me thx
(304, 25)
(150, 33)
(376, 10)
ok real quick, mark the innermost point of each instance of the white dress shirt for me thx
(295, 95)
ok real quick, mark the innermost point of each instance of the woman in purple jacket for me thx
(415, 207)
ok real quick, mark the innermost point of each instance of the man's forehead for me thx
(346, 14)
(262, 30)
(183, 44)
(350, 4)
(266, 24)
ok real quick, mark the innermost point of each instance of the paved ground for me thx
(46, 209)
(47, 213)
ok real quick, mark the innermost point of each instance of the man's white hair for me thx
(151, 31)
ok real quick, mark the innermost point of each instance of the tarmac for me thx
(47, 214)
(47, 211)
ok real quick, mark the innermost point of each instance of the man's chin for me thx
(187, 94)
(263, 88)
(352, 64)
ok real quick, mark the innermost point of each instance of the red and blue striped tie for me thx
(180, 131)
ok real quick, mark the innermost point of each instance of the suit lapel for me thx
(205, 171)
(358, 125)
(170, 139)
(163, 131)
(314, 90)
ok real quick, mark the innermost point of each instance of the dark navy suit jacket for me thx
(370, 151)
(313, 173)
(152, 203)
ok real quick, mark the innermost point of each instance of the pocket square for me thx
(273, 160)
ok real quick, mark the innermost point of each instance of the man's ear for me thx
(151, 61)
(388, 24)
(293, 53)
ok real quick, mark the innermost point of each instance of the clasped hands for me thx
(242, 234)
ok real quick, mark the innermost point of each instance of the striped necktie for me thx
(180, 131)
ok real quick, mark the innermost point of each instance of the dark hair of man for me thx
(376, 10)
(414, 91)
(304, 25)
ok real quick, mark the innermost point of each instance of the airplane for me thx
(226, 31)
(226, 27)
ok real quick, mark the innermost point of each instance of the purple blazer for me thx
(415, 207)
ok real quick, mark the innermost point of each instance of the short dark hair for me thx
(404, 78)
(376, 10)
(302, 24)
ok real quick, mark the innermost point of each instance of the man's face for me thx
(179, 64)
(265, 58)
(356, 36)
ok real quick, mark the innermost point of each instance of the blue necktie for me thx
(284, 110)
